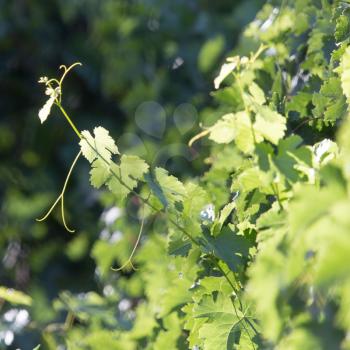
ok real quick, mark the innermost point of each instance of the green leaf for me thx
(99, 173)
(289, 155)
(244, 133)
(192, 325)
(104, 254)
(345, 74)
(196, 198)
(301, 216)
(105, 339)
(270, 124)
(194, 201)
(100, 146)
(224, 130)
(172, 188)
(210, 52)
(157, 191)
(230, 247)
(223, 322)
(257, 93)
(267, 277)
(210, 284)
(182, 275)
(342, 28)
(224, 214)
(300, 103)
(15, 296)
(167, 338)
(132, 169)
(236, 127)
(302, 338)
(144, 323)
(226, 70)
(178, 244)
(126, 175)
(344, 314)
(250, 179)
(330, 104)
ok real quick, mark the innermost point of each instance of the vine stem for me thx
(61, 197)
(69, 321)
(69, 119)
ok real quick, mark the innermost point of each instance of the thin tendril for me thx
(198, 136)
(50, 210)
(61, 197)
(66, 70)
(129, 261)
(52, 80)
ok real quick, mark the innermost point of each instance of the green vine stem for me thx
(69, 119)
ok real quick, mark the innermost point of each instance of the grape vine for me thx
(258, 246)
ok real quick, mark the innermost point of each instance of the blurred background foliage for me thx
(162, 51)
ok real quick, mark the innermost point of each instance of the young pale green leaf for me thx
(270, 124)
(101, 146)
(194, 201)
(250, 179)
(210, 52)
(225, 71)
(167, 338)
(101, 338)
(224, 214)
(330, 104)
(223, 131)
(224, 322)
(236, 127)
(193, 325)
(99, 173)
(132, 168)
(267, 277)
(345, 74)
(172, 188)
(144, 323)
(257, 93)
(126, 175)
(244, 130)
